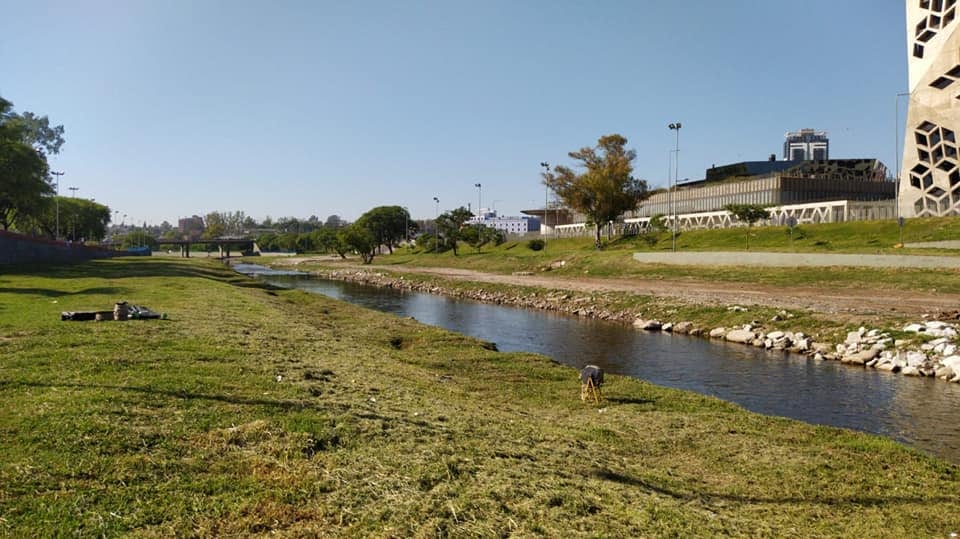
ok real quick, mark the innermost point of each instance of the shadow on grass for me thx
(121, 268)
(51, 293)
(286, 405)
(694, 494)
(628, 400)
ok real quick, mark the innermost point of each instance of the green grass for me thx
(615, 260)
(381, 426)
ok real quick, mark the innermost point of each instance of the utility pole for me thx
(57, 198)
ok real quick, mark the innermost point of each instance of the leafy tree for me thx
(216, 225)
(479, 235)
(748, 213)
(449, 226)
(387, 224)
(606, 189)
(138, 238)
(334, 221)
(25, 141)
(359, 238)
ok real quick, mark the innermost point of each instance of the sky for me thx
(298, 108)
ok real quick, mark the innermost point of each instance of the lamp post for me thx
(546, 198)
(479, 199)
(57, 198)
(73, 191)
(676, 176)
(436, 227)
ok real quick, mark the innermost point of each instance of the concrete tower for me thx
(930, 178)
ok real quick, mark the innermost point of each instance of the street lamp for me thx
(57, 198)
(73, 191)
(546, 198)
(436, 228)
(479, 200)
(676, 176)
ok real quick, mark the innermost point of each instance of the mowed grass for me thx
(615, 260)
(253, 411)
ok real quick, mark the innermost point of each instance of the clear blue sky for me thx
(299, 108)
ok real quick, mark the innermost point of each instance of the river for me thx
(920, 412)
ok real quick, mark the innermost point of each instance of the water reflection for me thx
(916, 411)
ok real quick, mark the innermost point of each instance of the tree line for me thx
(29, 203)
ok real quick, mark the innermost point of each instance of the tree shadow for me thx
(286, 405)
(688, 494)
(628, 400)
(51, 293)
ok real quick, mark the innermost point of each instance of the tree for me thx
(387, 224)
(606, 189)
(748, 213)
(449, 226)
(25, 141)
(138, 238)
(359, 238)
(334, 221)
(479, 235)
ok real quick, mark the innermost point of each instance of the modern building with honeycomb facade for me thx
(930, 178)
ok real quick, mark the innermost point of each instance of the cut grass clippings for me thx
(253, 411)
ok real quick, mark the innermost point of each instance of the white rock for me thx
(740, 335)
(802, 344)
(841, 349)
(915, 359)
(889, 367)
(873, 333)
(775, 335)
(668, 327)
(861, 357)
(949, 349)
(872, 362)
(818, 356)
(952, 361)
(853, 338)
(945, 373)
(935, 324)
(717, 333)
(914, 328)
(910, 371)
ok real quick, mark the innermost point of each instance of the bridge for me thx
(223, 244)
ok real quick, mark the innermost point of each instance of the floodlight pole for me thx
(676, 177)
(546, 199)
(57, 198)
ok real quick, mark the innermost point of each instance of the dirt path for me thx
(852, 303)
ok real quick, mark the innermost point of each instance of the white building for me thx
(509, 225)
(930, 176)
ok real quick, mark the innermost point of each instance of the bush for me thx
(536, 245)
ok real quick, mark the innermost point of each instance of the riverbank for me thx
(924, 347)
(253, 410)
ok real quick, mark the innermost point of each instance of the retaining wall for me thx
(20, 249)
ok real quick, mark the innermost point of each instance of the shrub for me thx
(536, 244)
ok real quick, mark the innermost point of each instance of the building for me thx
(509, 225)
(806, 145)
(191, 228)
(929, 178)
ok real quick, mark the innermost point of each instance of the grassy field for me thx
(254, 411)
(615, 260)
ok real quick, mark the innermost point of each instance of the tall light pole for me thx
(57, 198)
(546, 197)
(436, 228)
(479, 199)
(676, 176)
(73, 191)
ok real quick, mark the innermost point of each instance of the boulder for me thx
(910, 371)
(668, 327)
(821, 347)
(888, 367)
(716, 333)
(861, 357)
(952, 362)
(914, 328)
(683, 327)
(652, 325)
(775, 335)
(740, 336)
(915, 359)
(853, 338)
(758, 343)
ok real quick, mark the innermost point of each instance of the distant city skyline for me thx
(316, 108)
